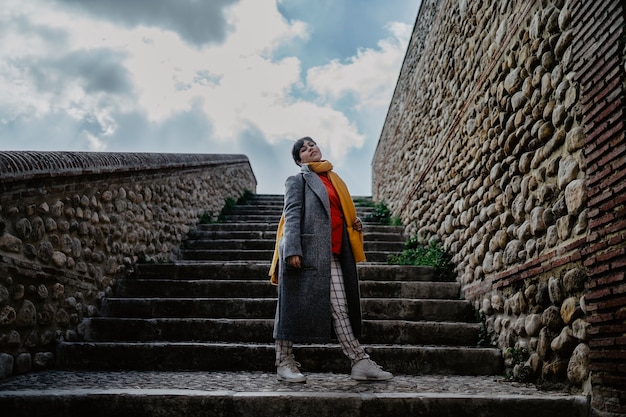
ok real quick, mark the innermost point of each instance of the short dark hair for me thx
(295, 151)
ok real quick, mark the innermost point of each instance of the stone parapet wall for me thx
(71, 223)
(487, 148)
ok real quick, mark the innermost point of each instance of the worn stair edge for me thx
(271, 225)
(200, 288)
(259, 226)
(260, 330)
(161, 356)
(258, 243)
(373, 308)
(221, 288)
(251, 233)
(196, 403)
(186, 269)
(255, 255)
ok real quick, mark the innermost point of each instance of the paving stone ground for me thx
(263, 382)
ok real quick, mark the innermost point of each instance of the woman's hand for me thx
(295, 261)
(357, 225)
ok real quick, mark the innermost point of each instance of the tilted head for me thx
(305, 150)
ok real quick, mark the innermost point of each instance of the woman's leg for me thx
(363, 368)
(287, 369)
(284, 350)
(341, 321)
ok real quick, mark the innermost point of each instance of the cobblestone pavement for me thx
(267, 382)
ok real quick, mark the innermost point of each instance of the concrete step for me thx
(207, 288)
(224, 288)
(212, 356)
(201, 403)
(368, 271)
(373, 308)
(221, 235)
(254, 244)
(417, 309)
(252, 218)
(107, 329)
(252, 308)
(264, 225)
(272, 219)
(272, 209)
(275, 199)
(391, 247)
(197, 270)
(261, 208)
(255, 255)
(384, 236)
(405, 332)
(410, 289)
(227, 255)
(270, 234)
(271, 213)
(226, 227)
(229, 394)
(232, 244)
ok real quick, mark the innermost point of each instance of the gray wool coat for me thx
(303, 310)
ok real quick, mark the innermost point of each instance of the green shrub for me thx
(229, 206)
(382, 215)
(205, 217)
(245, 197)
(519, 372)
(483, 334)
(363, 201)
(432, 254)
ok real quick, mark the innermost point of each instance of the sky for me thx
(204, 76)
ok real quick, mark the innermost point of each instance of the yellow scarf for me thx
(349, 213)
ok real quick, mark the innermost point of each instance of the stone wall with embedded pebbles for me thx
(505, 141)
(72, 223)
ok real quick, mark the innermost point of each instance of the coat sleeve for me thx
(293, 210)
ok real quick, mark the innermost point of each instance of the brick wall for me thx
(599, 49)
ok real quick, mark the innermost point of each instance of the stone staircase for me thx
(214, 309)
(209, 318)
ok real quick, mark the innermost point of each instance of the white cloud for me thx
(369, 76)
(259, 29)
(95, 144)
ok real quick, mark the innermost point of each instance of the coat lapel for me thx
(313, 181)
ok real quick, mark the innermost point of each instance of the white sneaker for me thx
(368, 370)
(288, 371)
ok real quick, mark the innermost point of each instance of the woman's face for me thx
(310, 152)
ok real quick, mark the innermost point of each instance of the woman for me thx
(318, 243)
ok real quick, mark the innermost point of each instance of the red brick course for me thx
(599, 64)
